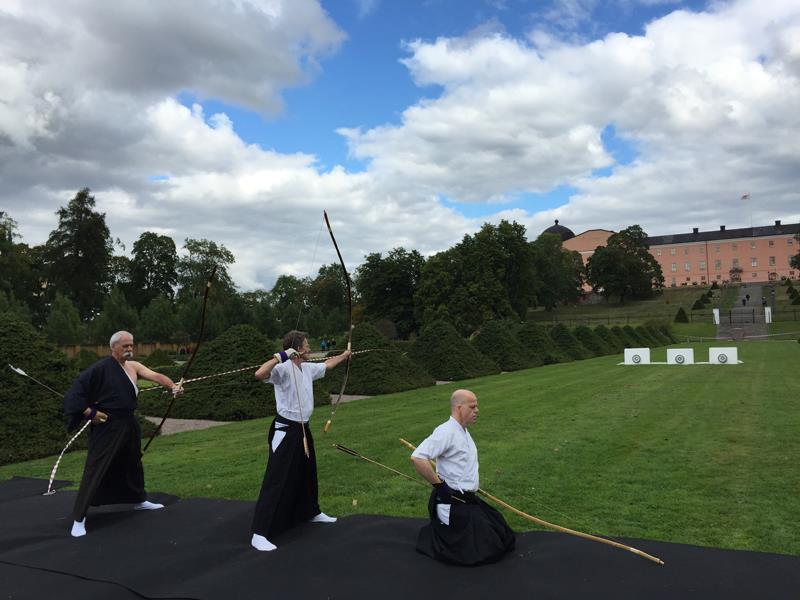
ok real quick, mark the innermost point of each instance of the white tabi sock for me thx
(79, 528)
(262, 544)
(323, 518)
(147, 506)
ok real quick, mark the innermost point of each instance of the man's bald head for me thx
(464, 407)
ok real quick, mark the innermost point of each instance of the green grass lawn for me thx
(700, 454)
(661, 307)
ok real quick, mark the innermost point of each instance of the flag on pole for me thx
(746, 197)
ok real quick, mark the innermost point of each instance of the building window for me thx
(789, 242)
(674, 267)
(719, 276)
(702, 277)
(735, 262)
(672, 250)
(702, 265)
(688, 279)
(658, 252)
(686, 250)
(755, 275)
(752, 243)
(717, 264)
(771, 261)
(700, 249)
(734, 246)
(687, 267)
(716, 247)
(754, 262)
(674, 283)
(771, 243)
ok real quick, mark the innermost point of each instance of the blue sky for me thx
(364, 84)
(411, 123)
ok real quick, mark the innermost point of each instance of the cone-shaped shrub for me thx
(538, 346)
(612, 342)
(567, 343)
(32, 424)
(655, 333)
(591, 341)
(625, 338)
(447, 356)
(634, 335)
(234, 397)
(384, 371)
(645, 336)
(666, 329)
(498, 340)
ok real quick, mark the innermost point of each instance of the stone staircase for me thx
(746, 318)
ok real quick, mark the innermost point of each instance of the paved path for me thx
(744, 320)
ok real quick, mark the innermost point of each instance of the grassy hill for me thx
(698, 454)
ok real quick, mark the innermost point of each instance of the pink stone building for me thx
(750, 254)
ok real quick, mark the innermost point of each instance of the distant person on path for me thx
(289, 493)
(463, 529)
(106, 394)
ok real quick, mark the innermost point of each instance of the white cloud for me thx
(88, 98)
(711, 100)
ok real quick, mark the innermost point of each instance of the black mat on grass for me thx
(199, 548)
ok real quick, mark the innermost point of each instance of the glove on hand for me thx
(444, 495)
(285, 355)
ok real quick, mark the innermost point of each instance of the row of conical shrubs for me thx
(33, 425)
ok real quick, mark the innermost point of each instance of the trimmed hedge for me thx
(447, 356)
(538, 346)
(231, 398)
(645, 336)
(498, 340)
(32, 423)
(385, 371)
(614, 344)
(624, 337)
(591, 341)
(158, 358)
(84, 359)
(681, 316)
(567, 343)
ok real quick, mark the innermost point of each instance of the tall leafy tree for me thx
(78, 253)
(486, 276)
(559, 272)
(19, 273)
(386, 287)
(262, 313)
(194, 268)
(153, 269)
(116, 315)
(64, 325)
(157, 323)
(624, 268)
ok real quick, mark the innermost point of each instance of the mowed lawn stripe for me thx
(701, 454)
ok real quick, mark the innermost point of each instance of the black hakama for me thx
(289, 493)
(113, 471)
(477, 533)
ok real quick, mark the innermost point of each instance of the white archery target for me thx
(723, 356)
(680, 356)
(637, 356)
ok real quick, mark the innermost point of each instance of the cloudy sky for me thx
(411, 122)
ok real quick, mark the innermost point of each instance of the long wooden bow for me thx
(335, 404)
(543, 523)
(198, 342)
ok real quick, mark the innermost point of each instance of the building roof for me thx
(724, 234)
(560, 230)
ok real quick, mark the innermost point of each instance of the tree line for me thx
(80, 285)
